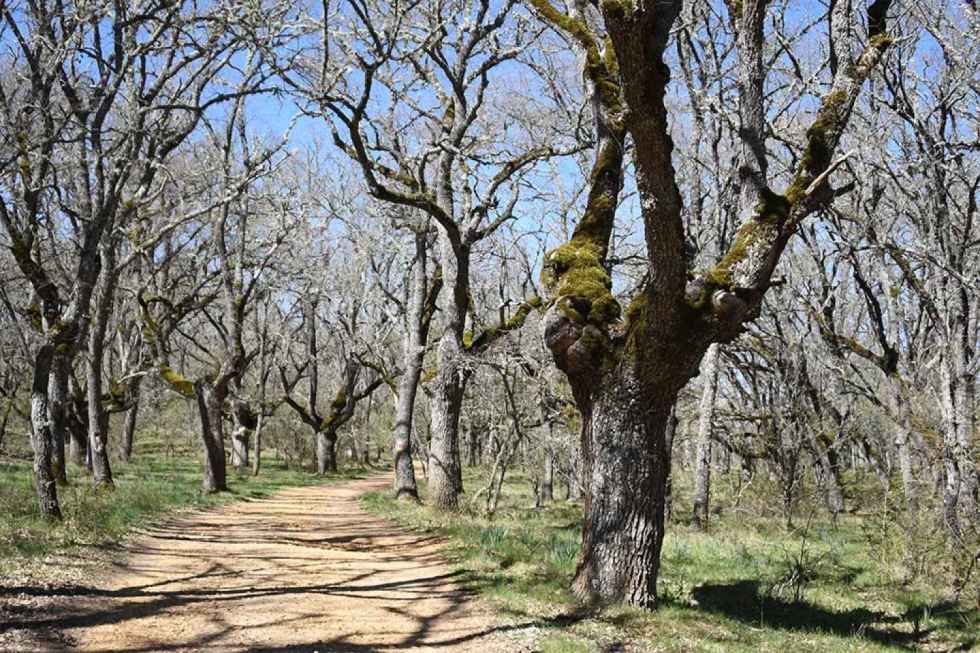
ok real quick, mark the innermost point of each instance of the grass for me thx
(158, 481)
(750, 583)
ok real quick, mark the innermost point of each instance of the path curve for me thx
(305, 569)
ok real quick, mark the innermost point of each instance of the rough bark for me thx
(326, 452)
(626, 473)
(45, 482)
(58, 409)
(209, 406)
(98, 418)
(445, 468)
(702, 457)
(413, 352)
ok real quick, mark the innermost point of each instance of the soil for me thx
(305, 569)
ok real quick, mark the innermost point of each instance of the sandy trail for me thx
(302, 570)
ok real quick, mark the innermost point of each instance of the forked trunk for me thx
(209, 404)
(625, 459)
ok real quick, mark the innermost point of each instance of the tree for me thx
(626, 374)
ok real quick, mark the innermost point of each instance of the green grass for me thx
(155, 483)
(748, 584)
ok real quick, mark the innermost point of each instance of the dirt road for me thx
(303, 570)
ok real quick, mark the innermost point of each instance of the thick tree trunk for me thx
(129, 428)
(445, 473)
(209, 405)
(326, 452)
(702, 459)
(45, 483)
(625, 456)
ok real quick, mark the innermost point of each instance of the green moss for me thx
(881, 41)
(574, 273)
(617, 8)
(176, 381)
(720, 275)
(818, 152)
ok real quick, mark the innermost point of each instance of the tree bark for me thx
(445, 474)
(445, 471)
(546, 494)
(58, 413)
(129, 429)
(326, 452)
(209, 406)
(625, 456)
(702, 459)
(98, 418)
(45, 482)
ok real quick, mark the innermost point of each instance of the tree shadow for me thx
(743, 601)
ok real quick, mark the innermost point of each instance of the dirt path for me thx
(303, 570)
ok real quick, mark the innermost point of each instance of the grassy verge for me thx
(154, 484)
(751, 583)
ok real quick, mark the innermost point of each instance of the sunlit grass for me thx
(750, 583)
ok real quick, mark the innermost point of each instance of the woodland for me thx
(650, 307)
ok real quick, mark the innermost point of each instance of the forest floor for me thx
(304, 569)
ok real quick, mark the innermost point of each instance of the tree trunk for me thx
(45, 483)
(239, 446)
(547, 492)
(257, 460)
(326, 452)
(702, 460)
(209, 405)
(58, 414)
(669, 434)
(78, 451)
(129, 429)
(98, 419)
(625, 457)
(404, 485)
(445, 474)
